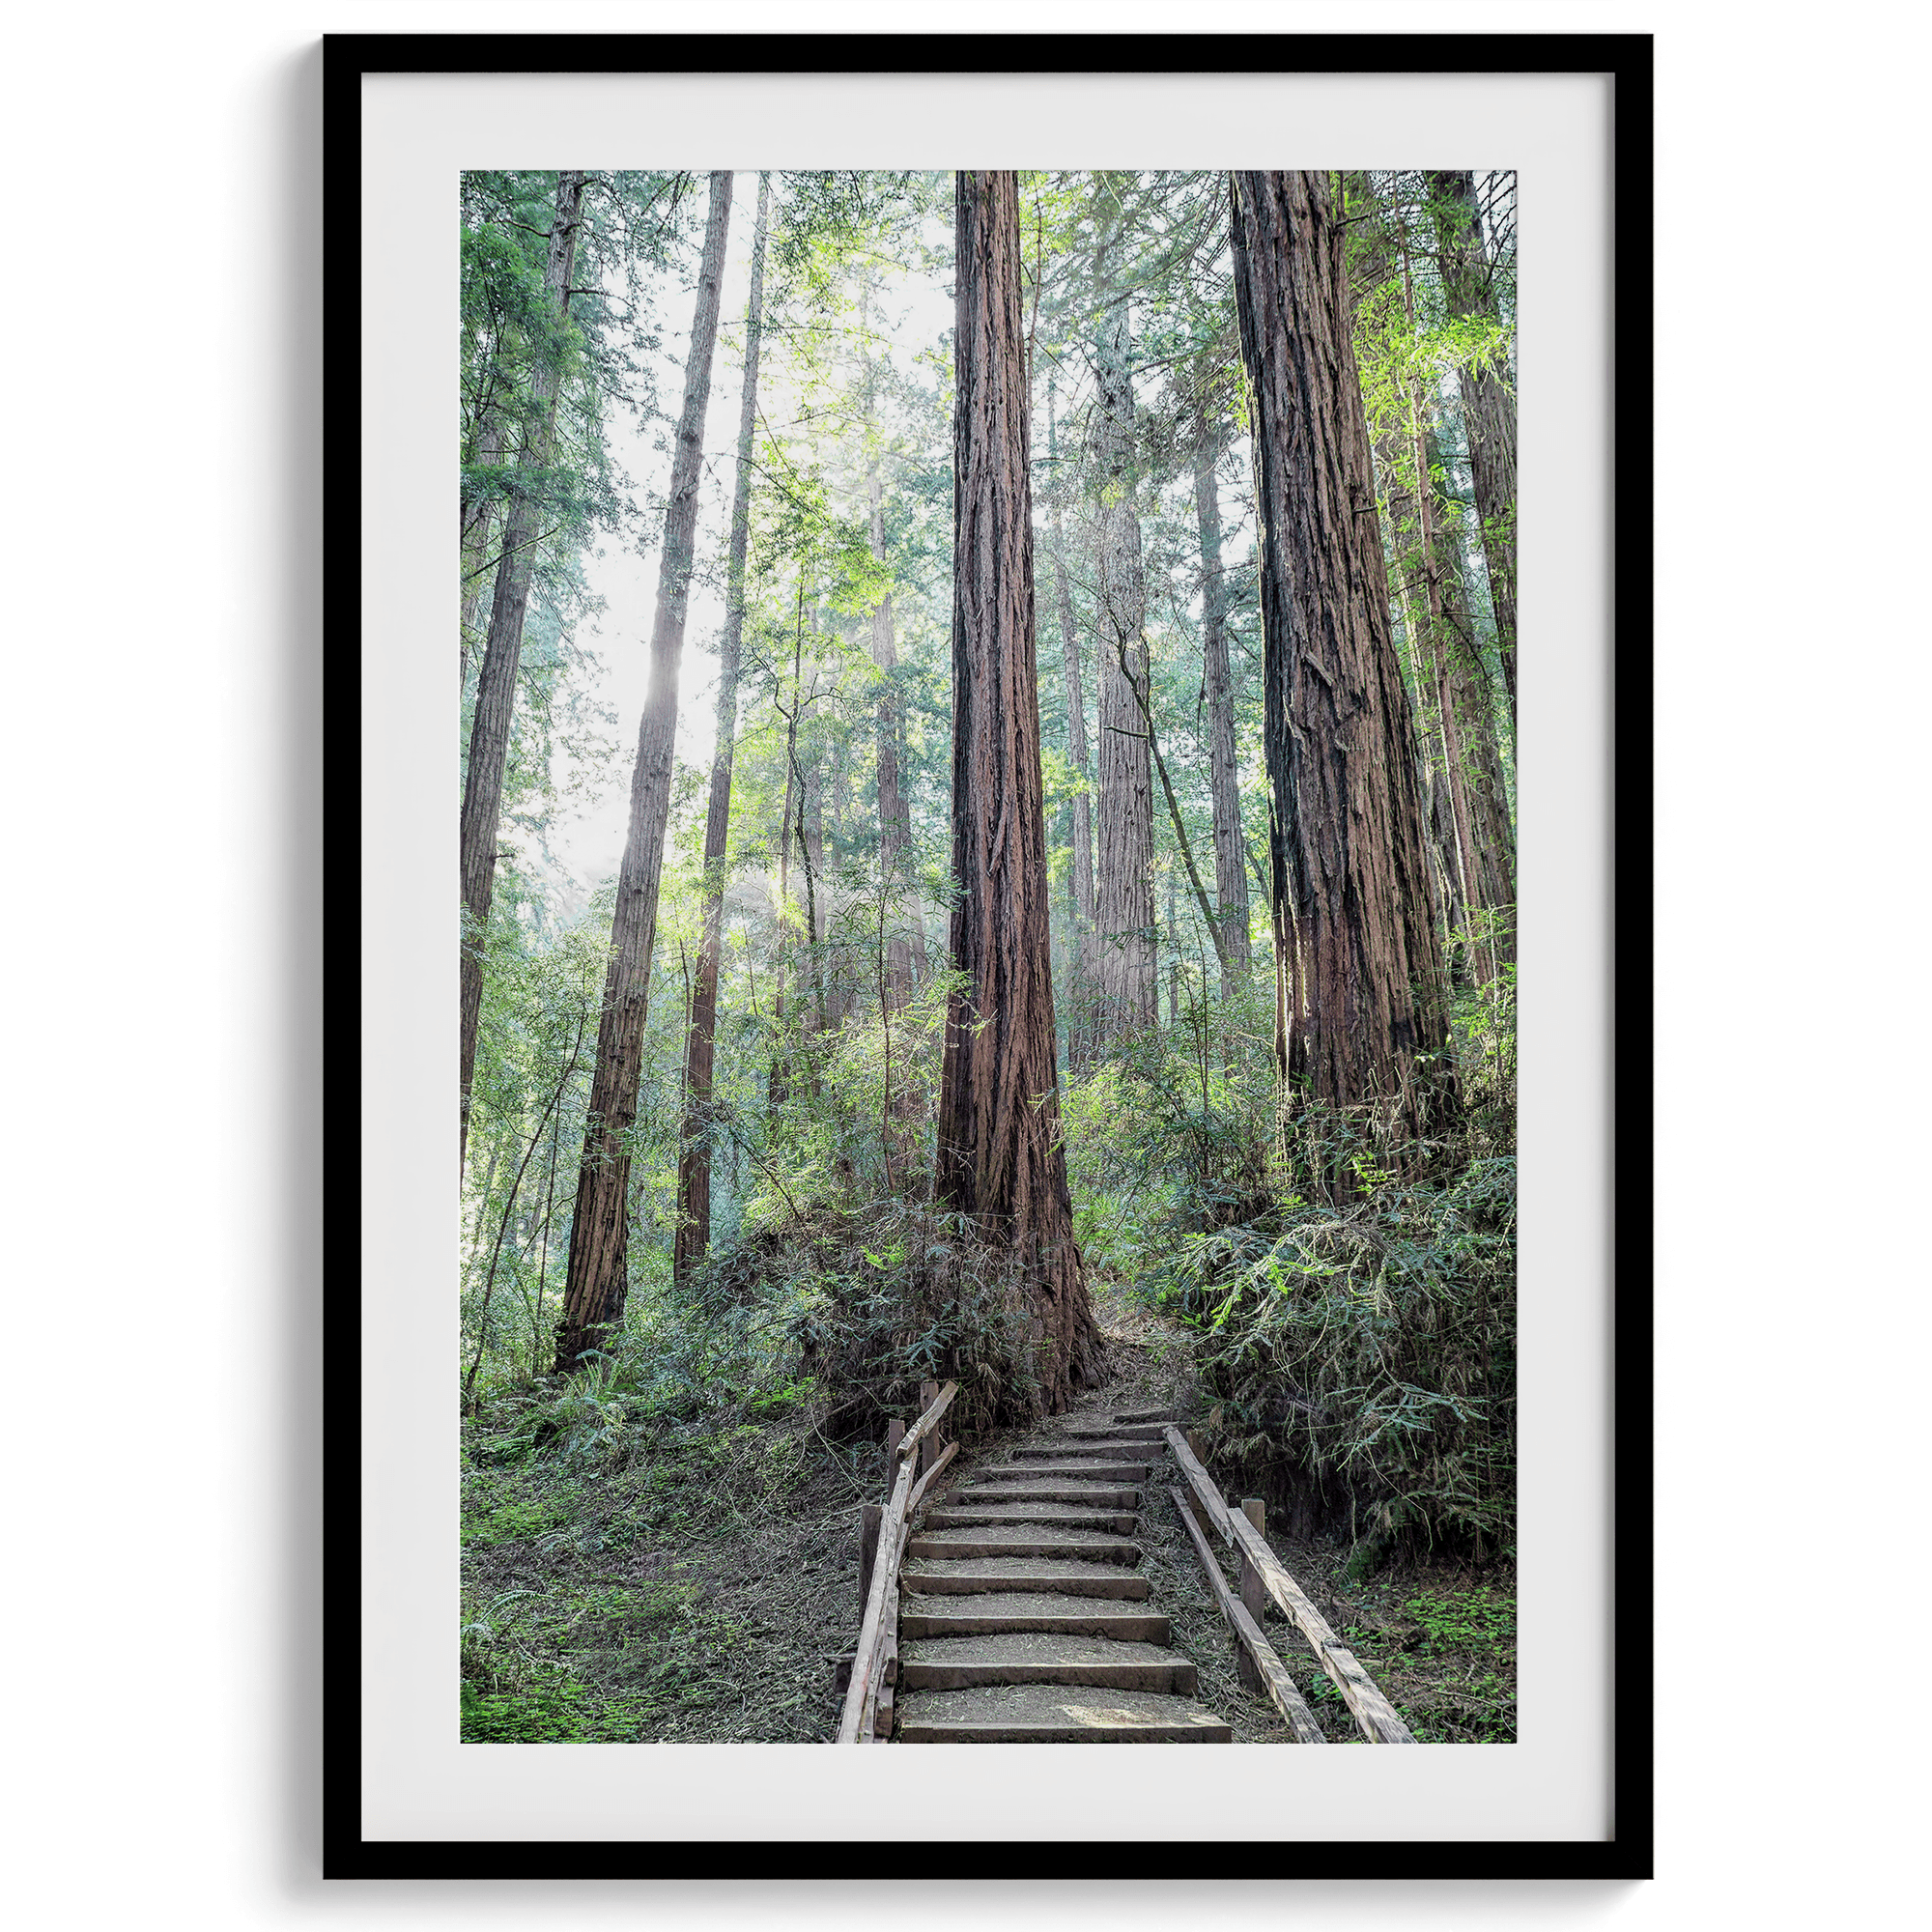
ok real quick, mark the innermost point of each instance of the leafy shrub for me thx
(1362, 1356)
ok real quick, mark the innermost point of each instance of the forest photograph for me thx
(986, 792)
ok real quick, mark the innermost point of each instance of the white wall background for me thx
(160, 771)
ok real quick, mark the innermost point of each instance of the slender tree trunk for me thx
(1081, 965)
(496, 681)
(905, 964)
(777, 1089)
(1489, 403)
(1468, 721)
(1360, 987)
(480, 522)
(694, 1164)
(999, 1152)
(597, 1280)
(1231, 878)
(1123, 913)
(1473, 693)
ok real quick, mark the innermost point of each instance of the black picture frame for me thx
(1626, 59)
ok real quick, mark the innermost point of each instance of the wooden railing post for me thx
(1254, 1594)
(869, 1549)
(930, 1448)
(896, 1429)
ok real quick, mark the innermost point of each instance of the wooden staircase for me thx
(1022, 1617)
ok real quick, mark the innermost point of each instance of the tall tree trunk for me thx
(496, 681)
(597, 1282)
(693, 1163)
(480, 520)
(1473, 692)
(1125, 913)
(1489, 403)
(999, 1152)
(1231, 877)
(1081, 938)
(1360, 988)
(1468, 720)
(905, 963)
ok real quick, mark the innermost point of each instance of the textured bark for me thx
(1465, 717)
(1231, 878)
(1474, 694)
(694, 1165)
(597, 1282)
(905, 963)
(1359, 962)
(496, 681)
(480, 521)
(1123, 913)
(1000, 1153)
(1489, 405)
(1081, 926)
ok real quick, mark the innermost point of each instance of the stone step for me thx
(1094, 1469)
(1014, 1657)
(1078, 1546)
(1108, 1431)
(958, 1513)
(1089, 1495)
(1133, 1415)
(1034, 1714)
(987, 1615)
(1064, 1451)
(975, 1577)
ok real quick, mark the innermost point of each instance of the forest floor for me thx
(700, 1591)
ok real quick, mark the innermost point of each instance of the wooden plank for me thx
(1254, 1598)
(1373, 1714)
(895, 1436)
(1201, 1483)
(869, 1549)
(1269, 1670)
(865, 1663)
(940, 1461)
(929, 1421)
(875, 1720)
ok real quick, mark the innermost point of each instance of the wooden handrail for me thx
(864, 1659)
(1373, 1714)
(1282, 1694)
(917, 1496)
(928, 1422)
(858, 1716)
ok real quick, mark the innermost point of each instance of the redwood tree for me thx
(1079, 978)
(1124, 910)
(496, 681)
(1489, 403)
(595, 1288)
(1359, 982)
(694, 1165)
(1231, 875)
(1000, 1153)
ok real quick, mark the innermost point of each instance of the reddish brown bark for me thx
(1123, 909)
(496, 680)
(597, 1282)
(694, 1166)
(1231, 877)
(1000, 1153)
(1489, 403)
(1359, 964)
(1081, 936)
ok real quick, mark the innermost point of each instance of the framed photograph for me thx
(1048, 629)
